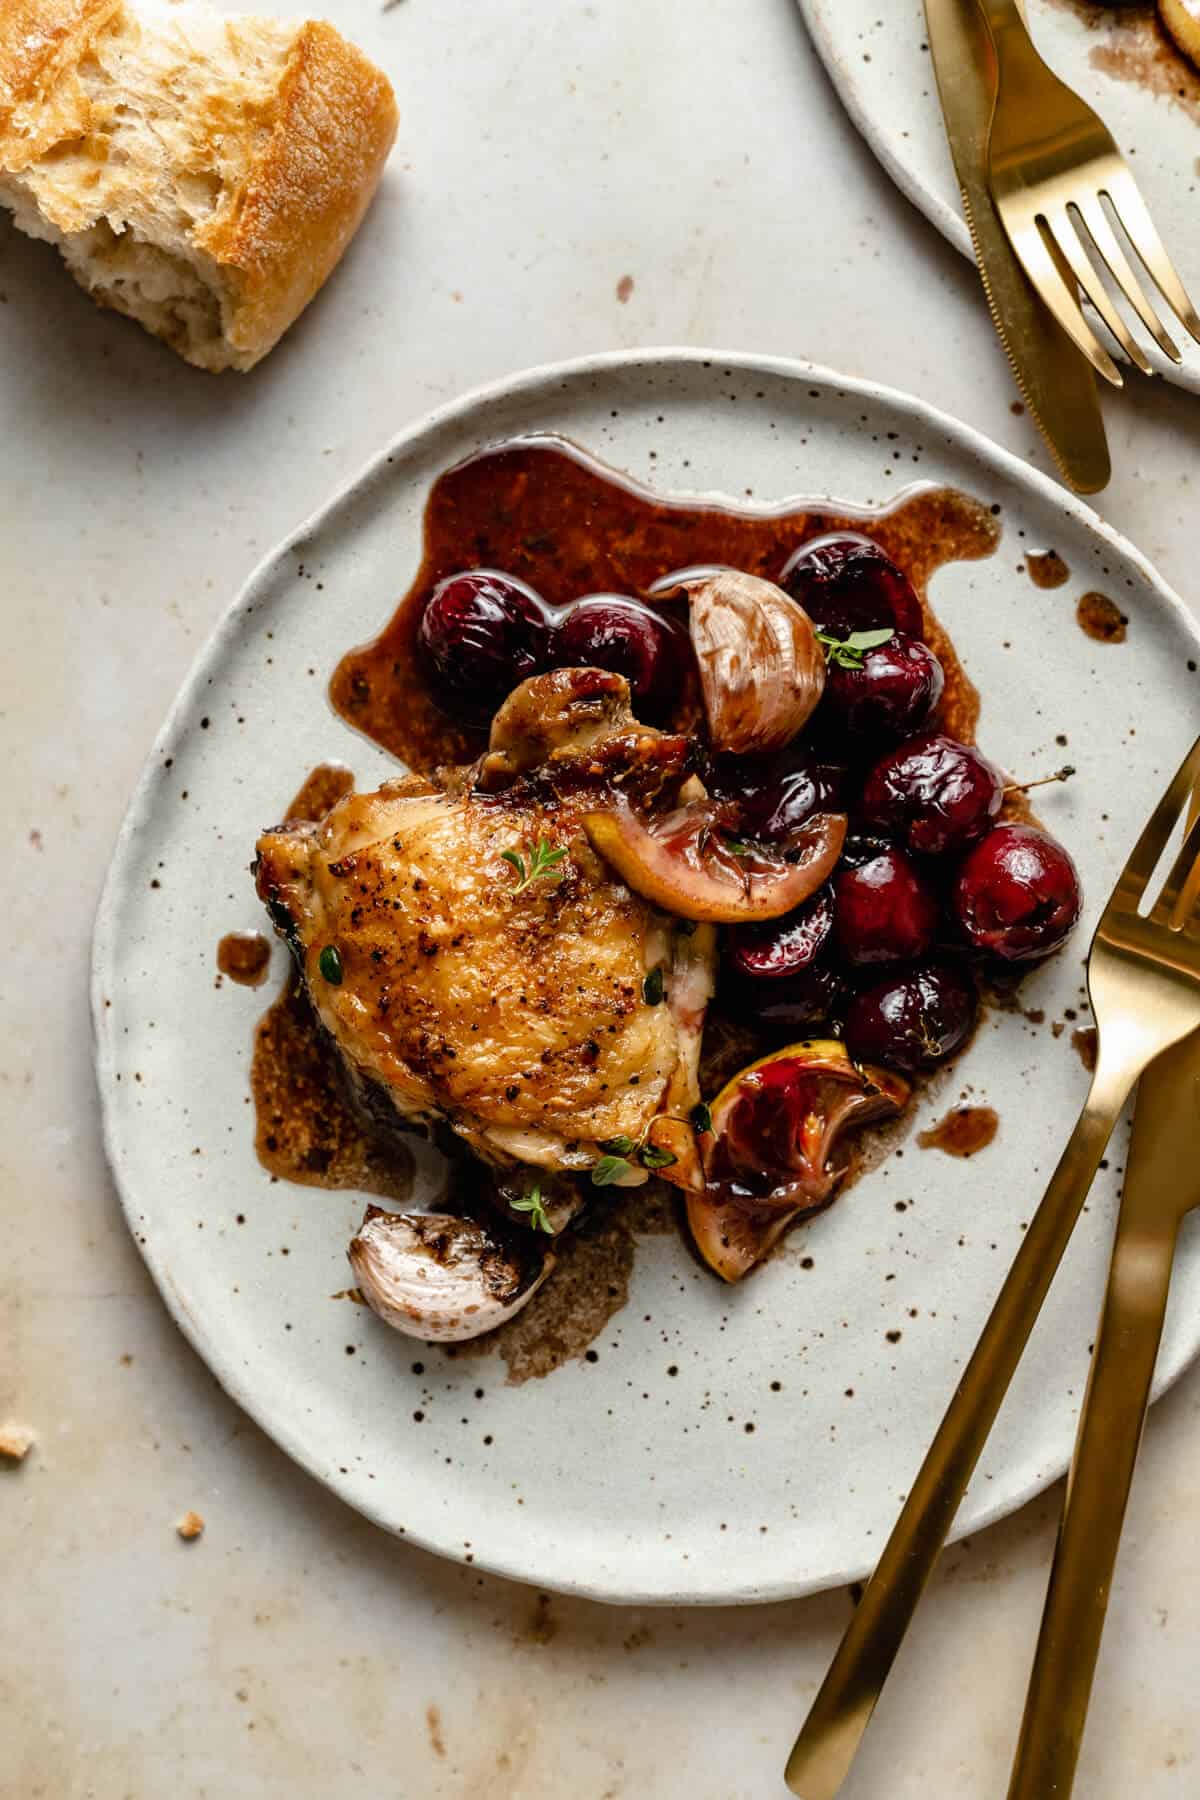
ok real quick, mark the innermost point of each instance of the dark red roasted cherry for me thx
(885, 911)
(776, 794)
(846, 583)
(781, 947)
(913, 1020)
(613, 631)
(891, 693)
(786, 1004)
(483, 633)
(1017, 893)
(933, 793)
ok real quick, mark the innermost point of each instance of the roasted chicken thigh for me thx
(477, 962)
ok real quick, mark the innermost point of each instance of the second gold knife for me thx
(1162, 1184)
(1055, 380)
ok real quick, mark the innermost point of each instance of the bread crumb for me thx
(190, 1526)
(16, 1441)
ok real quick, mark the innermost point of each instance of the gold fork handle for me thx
(1110, 1430)
(1019, 67)
(1004, 15)
(830, 1735)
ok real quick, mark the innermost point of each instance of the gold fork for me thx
(1052, 164)
(1162, 1185)
(1144, 985)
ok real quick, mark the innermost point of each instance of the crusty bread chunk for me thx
(201, 173)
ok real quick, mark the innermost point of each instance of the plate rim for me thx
(927, 200)
(599, 1585)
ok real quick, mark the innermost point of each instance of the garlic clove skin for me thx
(442, 1278)
(762, 668)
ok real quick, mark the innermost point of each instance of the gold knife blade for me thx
(1056, 383)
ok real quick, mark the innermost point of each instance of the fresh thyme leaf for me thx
(848, 652)
(544, 860)
(619, 1146)
(609, 1169)
(535, 1207)
(546, 856)
(652, 987)
(737, 846)
(330, 964)
(702, 1117)
(651, 1157)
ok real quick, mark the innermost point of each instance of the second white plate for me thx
(1120, 61)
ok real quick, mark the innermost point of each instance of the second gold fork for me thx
(1053, 164)
(1144, 982)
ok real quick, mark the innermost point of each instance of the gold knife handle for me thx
(829, 1737)
(1110, 1430)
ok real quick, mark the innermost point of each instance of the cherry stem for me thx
(1023, 787)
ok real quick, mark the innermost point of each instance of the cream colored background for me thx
(547, 151)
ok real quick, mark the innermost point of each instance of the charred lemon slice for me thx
(686, 862)
(772, 1153)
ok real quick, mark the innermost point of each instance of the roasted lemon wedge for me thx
(772, 1154)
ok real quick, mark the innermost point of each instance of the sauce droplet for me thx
(1047, 569)
(963, 1131)
(244, 956)
(321, 789)
(1101, 618)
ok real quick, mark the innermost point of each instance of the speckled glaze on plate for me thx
(1119, 60)
(745, 1444)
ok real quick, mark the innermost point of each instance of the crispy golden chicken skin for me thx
(536, 1015)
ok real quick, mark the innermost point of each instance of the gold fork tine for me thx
(1069, 244)
(1042, 270)
(1138, 226)
(1107, 243)
(1052, 162)
(1147, 852)
(1173, 904)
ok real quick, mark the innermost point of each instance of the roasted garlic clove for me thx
(442, 1278)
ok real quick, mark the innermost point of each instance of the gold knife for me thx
(1056, 383)
(1162, 1184)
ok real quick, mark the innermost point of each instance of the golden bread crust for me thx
(307, 189)
(239, 152)
(41, 44)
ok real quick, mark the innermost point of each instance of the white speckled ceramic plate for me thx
(1119, 60)
(725, 1444)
